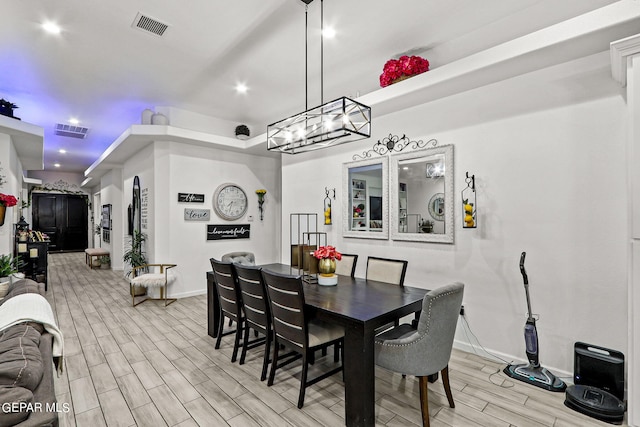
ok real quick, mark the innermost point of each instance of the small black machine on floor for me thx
(532, 373)
(598, 374)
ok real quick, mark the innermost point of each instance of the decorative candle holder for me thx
(327, 205)
(469, 206)
(261, 194)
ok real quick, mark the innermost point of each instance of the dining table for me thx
(360, 306)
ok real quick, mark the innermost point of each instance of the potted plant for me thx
(6, 108)
(105, 262)
(8, 266)
(426, 226)
(242, 132)
(134, 256)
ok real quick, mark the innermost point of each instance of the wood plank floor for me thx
(155, 366)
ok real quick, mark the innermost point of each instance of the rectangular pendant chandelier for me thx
(333, 123)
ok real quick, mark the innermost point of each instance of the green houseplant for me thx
(8, 265)
(134, 256)
(105, 261)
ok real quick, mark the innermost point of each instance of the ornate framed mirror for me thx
(136, 218)
(365, 195)
(421, 195)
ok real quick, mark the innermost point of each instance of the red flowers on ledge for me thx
(8, 200)
(402, 68)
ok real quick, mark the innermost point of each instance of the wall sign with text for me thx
(190, 198)
(228, 231)
(197, 214)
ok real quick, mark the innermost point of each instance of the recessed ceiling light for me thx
(241, 88)
(74, 121)
(51, 27)
(62, 151)
(329, 32)
(56, 165)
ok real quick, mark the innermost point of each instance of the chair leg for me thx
(336, 352)
(424, 402)
(447, 387)
(274, 362)
(236, 342)
(303, 381)
(220, 327)
(245, 344)
(267, 353)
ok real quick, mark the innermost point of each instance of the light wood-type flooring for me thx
(155, 366)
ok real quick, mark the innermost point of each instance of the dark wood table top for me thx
(356, 299)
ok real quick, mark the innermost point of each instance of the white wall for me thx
(111, 193)
(169, 168)
(12, 172)
(548, 153)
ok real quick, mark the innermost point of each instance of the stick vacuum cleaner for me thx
(532, 373)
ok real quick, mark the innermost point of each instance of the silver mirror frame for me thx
(346, 205)
(448, 236)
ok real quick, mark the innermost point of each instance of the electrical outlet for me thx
(462, 310)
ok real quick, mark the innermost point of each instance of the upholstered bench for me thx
(92, 253)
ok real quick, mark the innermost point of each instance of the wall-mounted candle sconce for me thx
(261, 194)
(327, 204)
(469, 206)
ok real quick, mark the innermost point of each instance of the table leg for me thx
(213, 311)
(359, 376)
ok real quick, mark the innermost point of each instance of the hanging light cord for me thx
(321, 52)
(306, 57)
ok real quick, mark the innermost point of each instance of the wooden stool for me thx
(91, 253)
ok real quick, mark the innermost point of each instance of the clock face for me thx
(230, 202)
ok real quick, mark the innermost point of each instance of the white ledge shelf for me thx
(28, 139)
(137, 137)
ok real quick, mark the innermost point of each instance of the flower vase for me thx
(3, 211)
(327, 269)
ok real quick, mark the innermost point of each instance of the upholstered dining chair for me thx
(295, 330)
(229, 301)
(256, 310)
(242, 258)
(386, 270)
(426, 350)
(347, 265)
(151, 276)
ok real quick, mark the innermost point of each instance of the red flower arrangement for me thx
(324, 252)
(8, 200)
(401, 68)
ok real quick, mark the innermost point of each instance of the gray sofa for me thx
(27, 395)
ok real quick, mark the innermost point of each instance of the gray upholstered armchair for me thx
(242, 258)
(426, 350)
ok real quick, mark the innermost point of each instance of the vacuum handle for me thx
(522, 270)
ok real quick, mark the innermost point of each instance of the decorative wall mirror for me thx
(136, 209)
(365, 195)
(421, 195)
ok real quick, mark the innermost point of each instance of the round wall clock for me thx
(230, 202)
(436, 207)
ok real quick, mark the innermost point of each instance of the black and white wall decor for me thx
(228, 231)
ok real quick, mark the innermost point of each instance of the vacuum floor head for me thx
(535, 375)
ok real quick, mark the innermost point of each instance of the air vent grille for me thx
(145, 23)
(71, 131)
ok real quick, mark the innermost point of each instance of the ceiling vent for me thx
(71, 131)
(145, 23)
